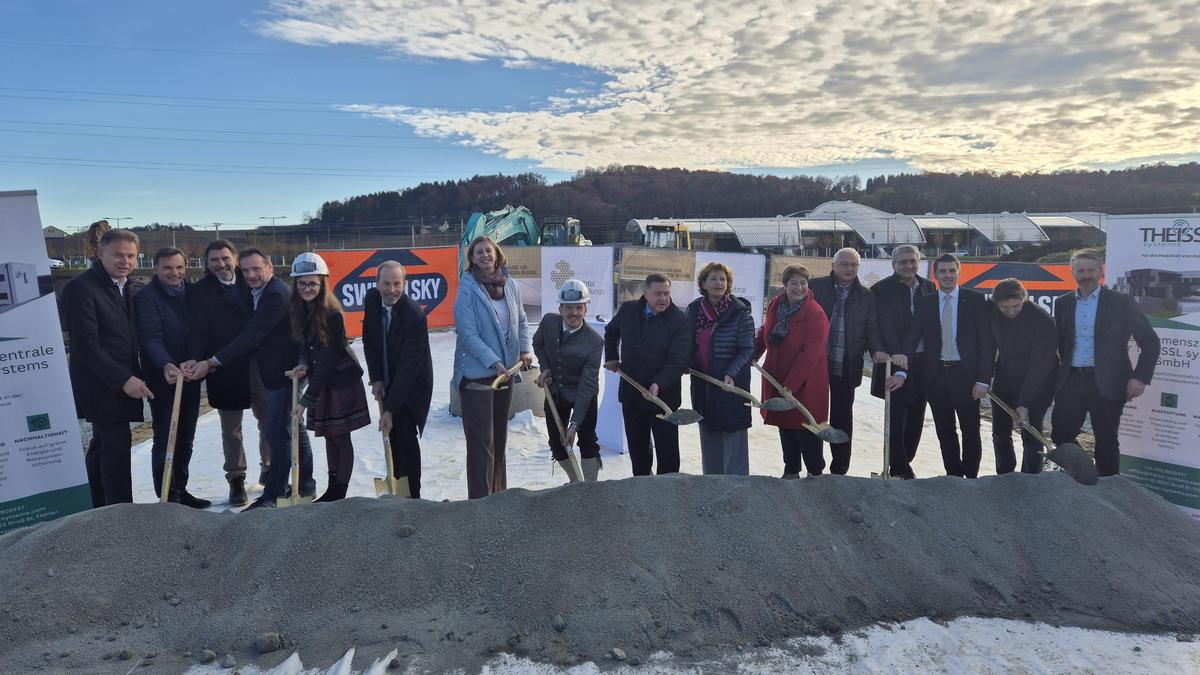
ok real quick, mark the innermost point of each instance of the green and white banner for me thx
(42, 474)
(1156, 259)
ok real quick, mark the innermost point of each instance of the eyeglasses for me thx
(308, 285)
(571, 295)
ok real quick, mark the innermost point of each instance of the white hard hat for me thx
(307, 263)
(573, 292)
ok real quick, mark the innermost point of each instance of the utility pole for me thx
(218, 228)
(274, 241)
(118, 219)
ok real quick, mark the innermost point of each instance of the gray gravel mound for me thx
(690, 564)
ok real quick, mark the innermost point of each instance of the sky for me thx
(235, 111)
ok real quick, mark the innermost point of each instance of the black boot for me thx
(237, 492)
(334, 492)
(192, 501)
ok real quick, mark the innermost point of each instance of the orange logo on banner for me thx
(1045, 282)
(431, 280)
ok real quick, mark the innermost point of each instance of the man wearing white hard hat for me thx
(569, 353)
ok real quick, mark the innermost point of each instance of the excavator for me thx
(515, 226)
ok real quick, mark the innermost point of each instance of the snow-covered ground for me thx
(967, 645)
(964, 645)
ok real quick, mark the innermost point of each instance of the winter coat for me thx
(732, 351)
(862, 329)
(653, 349)
(216, 315)
(331, 364)
(798, 363)
(163, 334)
(267, 338)
(102, 332)
(895, 305)
(479, 342)
(1026, 356)
(408, 384)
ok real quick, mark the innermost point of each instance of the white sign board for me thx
(42, 474)
(749, 277)
(593, 265)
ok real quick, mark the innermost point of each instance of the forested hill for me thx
(615, 194)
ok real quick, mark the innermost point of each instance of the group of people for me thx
(252, 338)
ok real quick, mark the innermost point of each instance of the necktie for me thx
(387, 324)
(947, 329)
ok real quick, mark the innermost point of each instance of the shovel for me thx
(677, 417)
(1069, 456)
(294, 498)
(574, 473)
(499, 381)
(392, 485)
(822, 431)
(776, 404)
(887, 428)
(169, 459)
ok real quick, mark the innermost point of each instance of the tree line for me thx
(605, 198)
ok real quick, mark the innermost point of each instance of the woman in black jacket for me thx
(723, 348)
(334, 397)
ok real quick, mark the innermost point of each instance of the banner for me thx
(42, 474)
(1045, 282)
(749, 273)
(431, 280)
(637, 263)
(1156, 259)
(817, 267)
(593, 265)
(525, 269)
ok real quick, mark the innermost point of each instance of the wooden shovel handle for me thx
(727, 387)
(1026, 425)
(562, 431)
(501, 379)
(645, 392)
(787, 393)
(172, 437)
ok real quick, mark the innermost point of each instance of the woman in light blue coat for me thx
(492, 336)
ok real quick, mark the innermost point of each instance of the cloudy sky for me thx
(450, 89)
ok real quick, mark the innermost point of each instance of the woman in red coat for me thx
(794, 335)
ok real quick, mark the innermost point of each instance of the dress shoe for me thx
(192, 501)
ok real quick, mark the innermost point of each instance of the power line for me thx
(78, 92)
(96, 164)
(206, 131)
(218, 52)
(236, 141)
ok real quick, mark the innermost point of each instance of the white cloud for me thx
(976, 84)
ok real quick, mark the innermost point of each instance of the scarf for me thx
(492, 283)
(708, 314)
(783, 316)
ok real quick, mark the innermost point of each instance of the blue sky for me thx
(227, 111)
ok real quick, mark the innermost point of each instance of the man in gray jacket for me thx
(569, 353)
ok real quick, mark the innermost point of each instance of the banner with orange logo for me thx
(1045, 282)
(432, 280)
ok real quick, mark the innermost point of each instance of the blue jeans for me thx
(279, 435)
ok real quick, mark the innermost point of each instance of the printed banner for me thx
(749, 272)
(637, 263)
(817, 267)
(1156, 259)
(1045, 282)
(432, 280)
(593, 265)
(42, 474)
(525, 268)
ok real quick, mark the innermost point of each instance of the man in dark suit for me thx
(104, 367)
(1026, 360)
(569, 353)
(162, 329)
(219, 308)
(1096, 378)
(895, 304)
(267, 341)
(400, 368)
(853, 331)
(649, 339)
(952, 325)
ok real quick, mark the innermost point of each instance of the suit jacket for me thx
(216, 315)
(102, 333)
(408, 382)
(572, 360)
(162, 331)
(862, 331)
(1117, 319)
(893, 306)
(652, 350)
(1026, 357)
(267, 338)
(976, 347)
